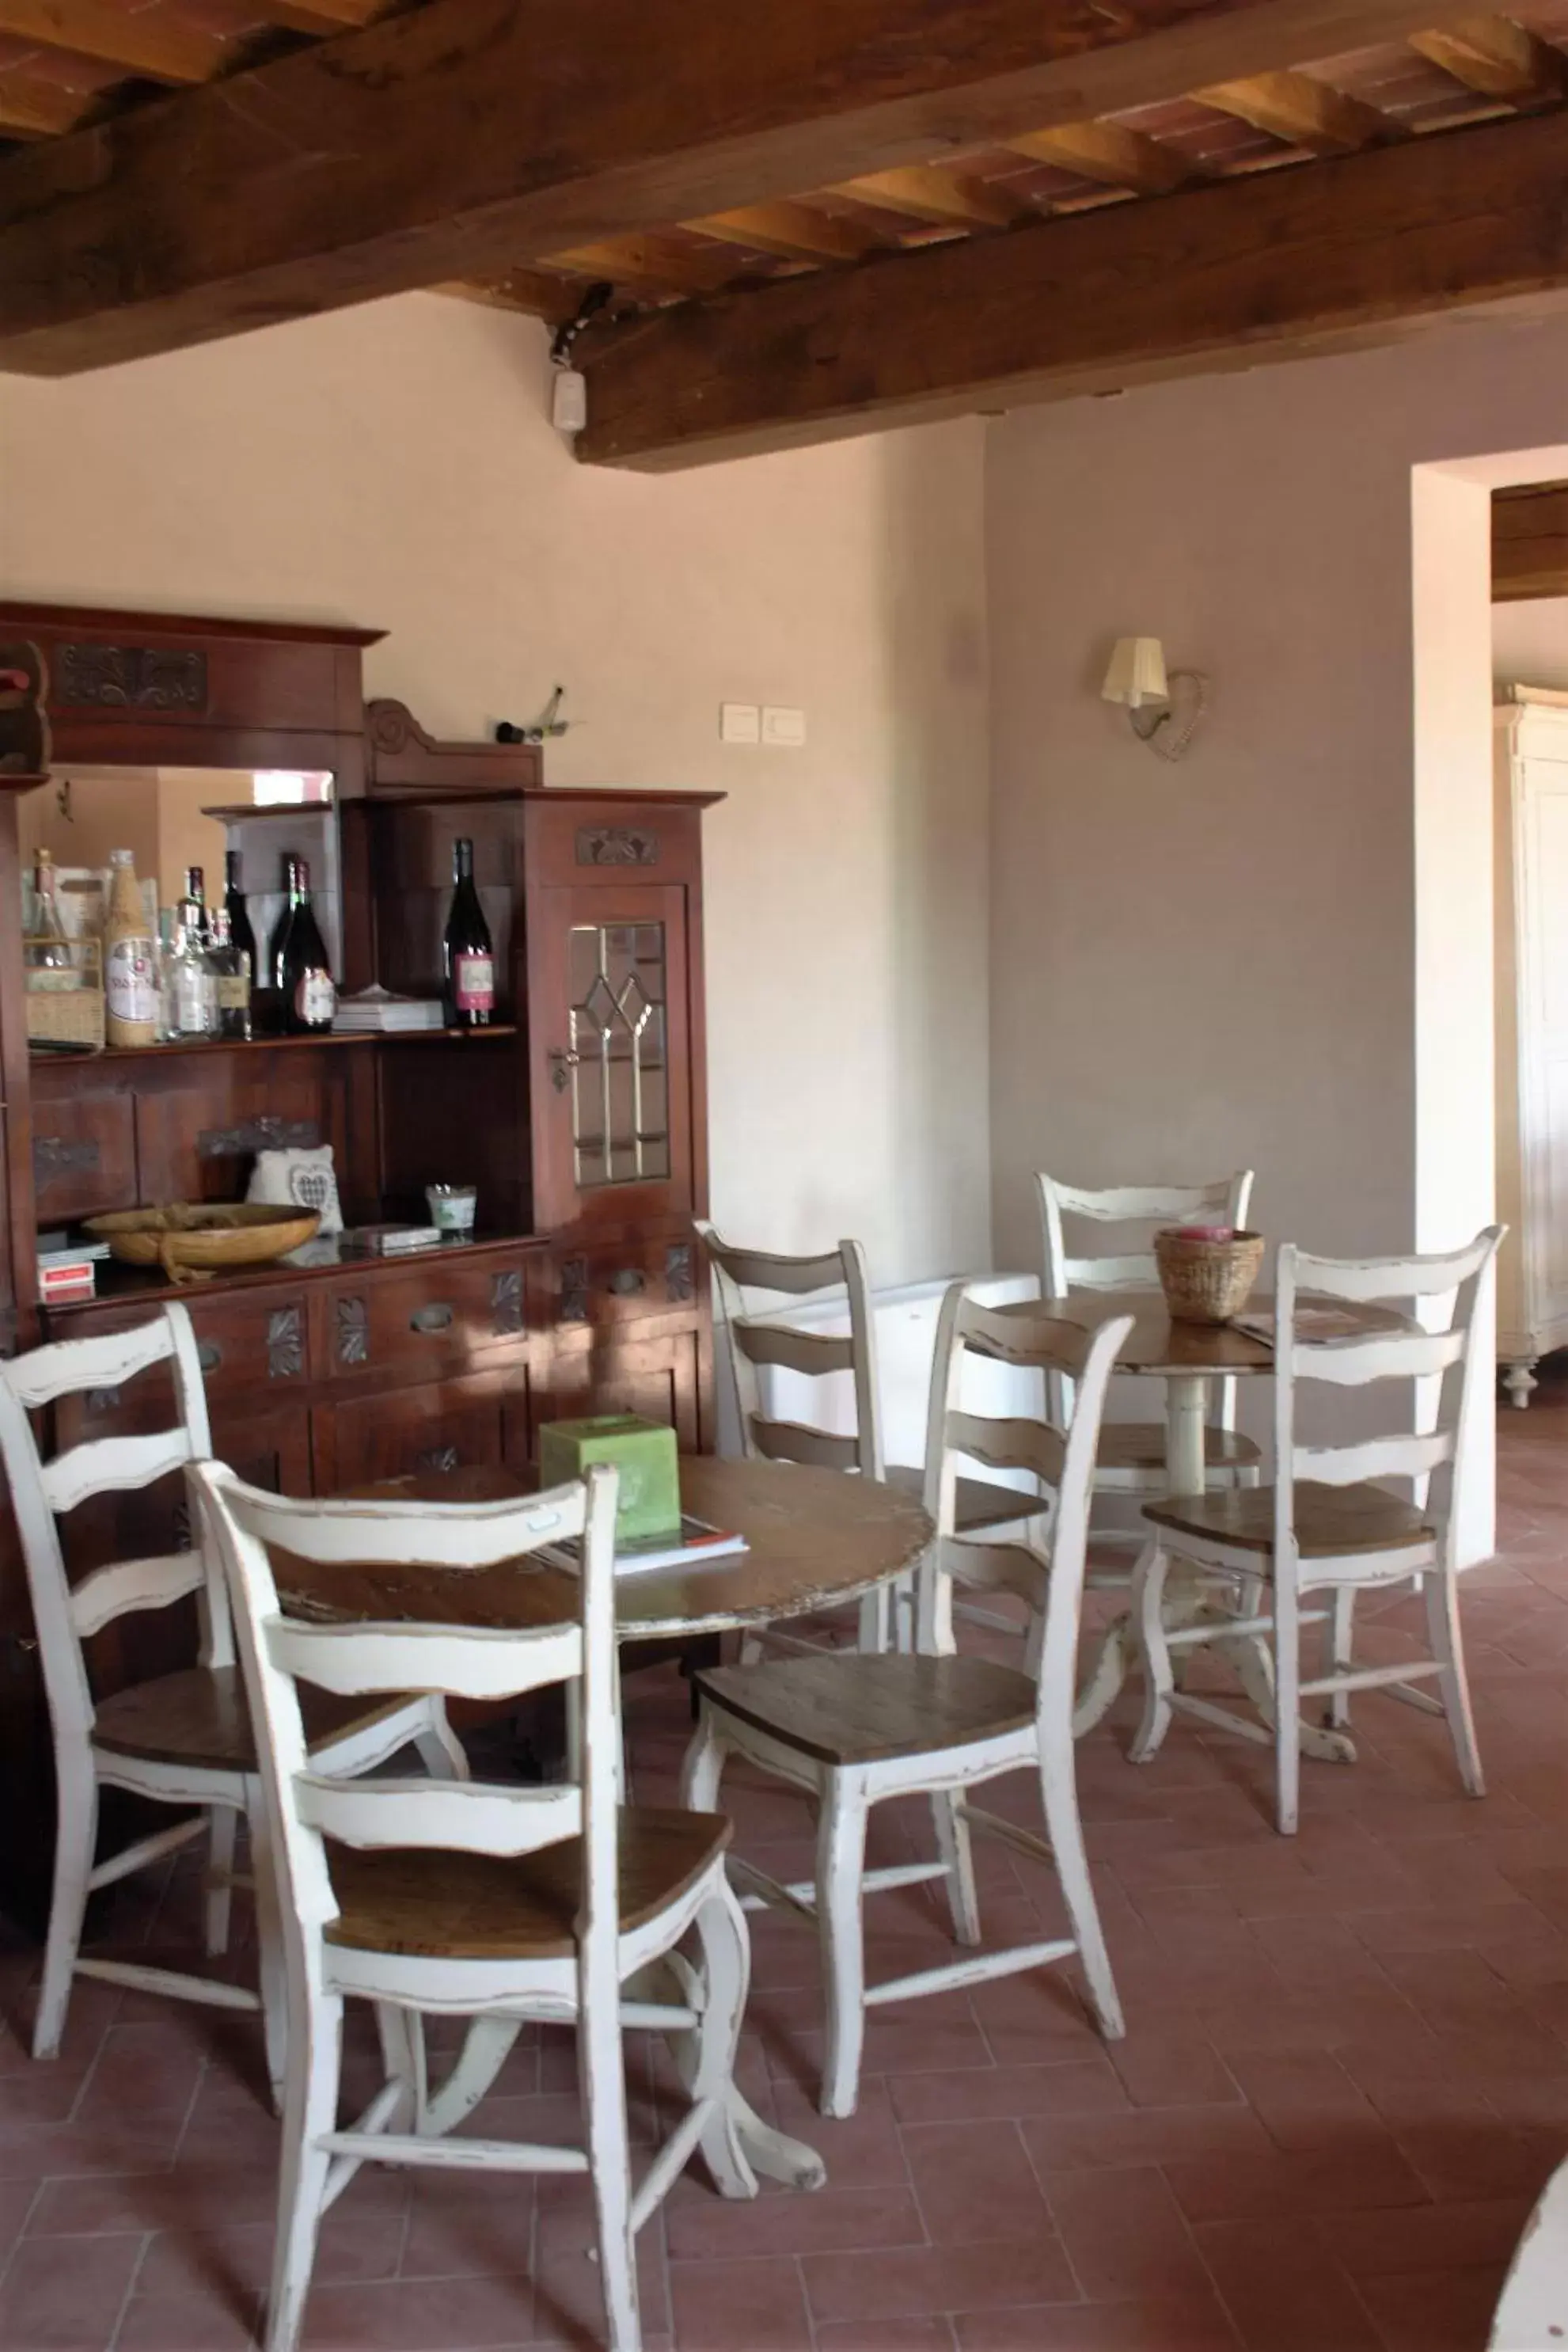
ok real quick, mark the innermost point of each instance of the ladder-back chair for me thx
(182, 1738)
(853, 1730)
(488, 1901)
(1132, 1452)
(1330, 1522)
(760, 1336)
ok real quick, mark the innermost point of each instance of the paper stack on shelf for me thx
(380, 1012)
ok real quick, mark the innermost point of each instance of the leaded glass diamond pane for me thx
(619, 1102)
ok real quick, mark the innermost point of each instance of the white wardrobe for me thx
(1531, 767)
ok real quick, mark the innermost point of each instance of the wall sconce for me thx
(1164, 706)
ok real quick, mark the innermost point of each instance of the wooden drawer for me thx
(443, 1311)
(439, 1427)
(659, 1377)
(256, 1347)
(609, 1284)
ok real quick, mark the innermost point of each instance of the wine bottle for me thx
(230, 968)
(268, 1004)
(303, 974)
(241, 935)
(467, 951)
(191, 911)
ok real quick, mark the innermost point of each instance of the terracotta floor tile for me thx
(1076, 2086)
(1124, 2234)
(719, 2307)
(1304, 2097)
(975, 2182)
(189, 2323)
(455, 2314)
(708, 2228)
(934, 2333)
(1435, 2311)
(1284, 2293)
(1181, 2323)
(67, 2296)
(1173, 2070)
(1364, 2171)
(1387, 2244)
(919, 2280)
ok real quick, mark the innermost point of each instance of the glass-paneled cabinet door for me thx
(610, 1021)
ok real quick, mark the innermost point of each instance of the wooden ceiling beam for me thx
(142, 42)
(795, 232)
(1268, 267)
(925, 191)
(468, 137)
(553, 299)
(1529, 543)
(1111, 153)
(1496, 57)
(649, 264)
(37, 110)
(1302, 111)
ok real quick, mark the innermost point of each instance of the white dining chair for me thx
(755, 1291)
(475, 1899)
(1132, 1452)
(182, 1738)
(1329, 1523)
(1531, 2315)
(853, 1731)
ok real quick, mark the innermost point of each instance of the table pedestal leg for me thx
(489, 2042)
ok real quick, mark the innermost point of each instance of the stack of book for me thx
(377, 1011)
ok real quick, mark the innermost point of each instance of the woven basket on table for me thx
(1207, 1281)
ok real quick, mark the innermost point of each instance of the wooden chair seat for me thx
(1330, 1520)
(980, 1502)
(199, 1717)
(1141, 1445)
(847, 1709)
(463, 1906)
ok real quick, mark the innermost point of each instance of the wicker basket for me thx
(1207, 1281)
(65, 1007)
(192, 1239)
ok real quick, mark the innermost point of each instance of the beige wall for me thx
(1529, 642)
(391, 465)
(1199, 965)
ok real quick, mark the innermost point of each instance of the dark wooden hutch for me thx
(582, 1289)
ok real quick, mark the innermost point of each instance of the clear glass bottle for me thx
(230, 967)
(48, 948)
(129, 959)
(191, 988)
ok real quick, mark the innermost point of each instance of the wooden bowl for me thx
(192, 1240)
(1204, 1280)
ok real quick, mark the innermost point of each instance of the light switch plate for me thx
(739, 722)
(783, 724)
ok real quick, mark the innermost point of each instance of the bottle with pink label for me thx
(468, 955)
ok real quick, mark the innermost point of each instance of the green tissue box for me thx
(643, 1451)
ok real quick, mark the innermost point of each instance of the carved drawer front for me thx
(435, 1428)
(259, 1345)
(84, 1155)
(438, 1312)
(623, 1282)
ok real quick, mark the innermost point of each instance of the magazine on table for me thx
(695, 1543)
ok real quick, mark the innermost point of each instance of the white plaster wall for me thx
(1529, 642)
(1262, 956)
(391, 465)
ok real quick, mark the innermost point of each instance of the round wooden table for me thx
(1187, 1357)
(815, 1537)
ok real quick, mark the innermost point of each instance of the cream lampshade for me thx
(1136, 674)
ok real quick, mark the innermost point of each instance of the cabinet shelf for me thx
(67, 1057)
